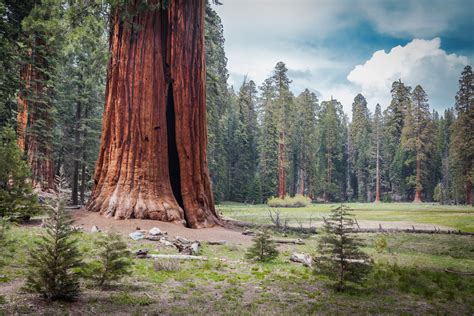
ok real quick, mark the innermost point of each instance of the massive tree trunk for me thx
(152, 160)
(33, 118)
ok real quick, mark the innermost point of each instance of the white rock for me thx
(165, 242)
(137, 235)
(95, 229)
(194, 248)
(302, 258)
(155, 231)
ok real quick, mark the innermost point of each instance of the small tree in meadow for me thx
(112, 261)
(55, 260)
(263, 248)
(340, 256)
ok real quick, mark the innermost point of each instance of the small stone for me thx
(95, 229)
(141, 253)
(166, 242)
(137, 235)
(155, 231)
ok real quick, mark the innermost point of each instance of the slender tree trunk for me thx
(152, 160)
(418, 181)
(77, 155)
(22, 116)
(377, 171)
(281, 167)
(82, 188)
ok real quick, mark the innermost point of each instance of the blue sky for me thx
(343, 47)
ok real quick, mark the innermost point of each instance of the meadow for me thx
(413, 274)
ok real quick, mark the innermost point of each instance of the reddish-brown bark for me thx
(152, 161)
(31, 110)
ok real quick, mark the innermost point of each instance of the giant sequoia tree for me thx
(152, 161)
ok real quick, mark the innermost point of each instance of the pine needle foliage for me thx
(55, 261)
(112, 260)
(340, 256)
(263, 248)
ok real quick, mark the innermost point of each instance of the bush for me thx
(340, 255)
(17, 200)
(263, 248)
(54, 263)
(296, 201)
(112, 260)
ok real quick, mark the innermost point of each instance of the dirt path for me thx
(125, 227)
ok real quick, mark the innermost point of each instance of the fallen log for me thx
(448, 270)
(297, 241)
(177, 257)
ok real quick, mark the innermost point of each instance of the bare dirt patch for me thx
(125, 227)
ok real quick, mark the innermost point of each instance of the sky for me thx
(340, 48)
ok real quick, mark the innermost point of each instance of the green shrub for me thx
(17, 200)
(263, 248)
(340, 256)
(53, 264)
(112, 260)
(296, 201)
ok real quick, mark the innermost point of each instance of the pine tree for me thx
(263, 248)
(43, 28)
(416, 138)
(80, 82)
(462, 137)
(360, 140)
(340, 256)
(268, 147)
(112, 260)
(394, 120)
(303, 144)
(331, 161)
(244, 182)
(17, 200)
(54, 262)
(283, 103)
(12, 55)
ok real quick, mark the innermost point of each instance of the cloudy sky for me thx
(343, 47)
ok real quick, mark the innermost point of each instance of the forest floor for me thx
(415, 274)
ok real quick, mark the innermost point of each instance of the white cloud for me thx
(419, 62)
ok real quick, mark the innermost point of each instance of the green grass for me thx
(455, 217)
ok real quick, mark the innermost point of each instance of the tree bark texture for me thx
(33, 112)
(152, 162)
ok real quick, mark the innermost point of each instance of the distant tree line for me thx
(263, 141)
